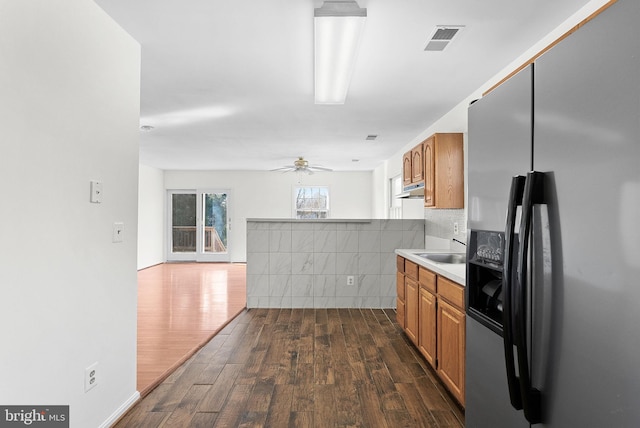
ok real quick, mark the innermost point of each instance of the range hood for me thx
(412, 191)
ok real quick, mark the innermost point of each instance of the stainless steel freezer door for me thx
(587, 140)
(499, 147)
(487, 394)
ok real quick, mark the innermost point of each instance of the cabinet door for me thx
(448, 187)
(417, 164)
(406, 169)
(427, 327)
(429, 172)
(400, 312)
(411, 309)
(451, 348)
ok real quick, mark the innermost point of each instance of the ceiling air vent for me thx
(442, 36)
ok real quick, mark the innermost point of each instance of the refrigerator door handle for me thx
(530, 396)
(515, 200)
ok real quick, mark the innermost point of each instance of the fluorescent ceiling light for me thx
(338, 26)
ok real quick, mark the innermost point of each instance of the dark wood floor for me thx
(307, 368)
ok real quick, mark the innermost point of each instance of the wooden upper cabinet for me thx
(413, 166)
(429, 172)
(444, 171)
(407, 174)
(417, 164)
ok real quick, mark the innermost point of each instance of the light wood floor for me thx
(302, 367)
(180, 307)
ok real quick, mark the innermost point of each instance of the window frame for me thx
(295, 209)
(395, 204)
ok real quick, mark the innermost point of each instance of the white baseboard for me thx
(121, 410)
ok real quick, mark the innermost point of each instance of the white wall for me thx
(265, 194)
(151, 216)
(380, 193)
(69, 109)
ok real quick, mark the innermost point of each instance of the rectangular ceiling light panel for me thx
(338, 27)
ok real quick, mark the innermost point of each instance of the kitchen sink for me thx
(444, 257)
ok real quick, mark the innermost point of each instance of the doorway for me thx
(198, 225)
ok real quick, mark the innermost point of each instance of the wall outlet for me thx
(351, 280)
(118, 231)
(456, 229)
(90, 377)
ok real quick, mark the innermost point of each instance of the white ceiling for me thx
(228, 85)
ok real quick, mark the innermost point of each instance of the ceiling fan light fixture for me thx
(301, 165)
(338, 27)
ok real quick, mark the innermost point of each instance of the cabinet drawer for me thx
(411, 269)
(400, 263)
(451, 292)
(427, 279)
(400, 285)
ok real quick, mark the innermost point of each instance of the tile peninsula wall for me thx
(305, 264)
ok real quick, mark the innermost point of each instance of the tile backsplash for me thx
(306, 264)
(440, 223)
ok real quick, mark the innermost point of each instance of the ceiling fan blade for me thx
(320, 168)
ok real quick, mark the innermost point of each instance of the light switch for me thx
(96, 192)
(118, 232)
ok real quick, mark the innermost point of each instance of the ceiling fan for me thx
(302, 165)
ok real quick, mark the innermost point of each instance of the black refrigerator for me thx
(553, 254)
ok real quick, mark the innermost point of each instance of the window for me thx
(311, 202)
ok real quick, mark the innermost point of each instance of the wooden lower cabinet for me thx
(427, 329)
(400, 312)
(411, 309)
(431, 312)
(451, 348)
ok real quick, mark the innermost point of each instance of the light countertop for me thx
(454, 272)
(308, 220)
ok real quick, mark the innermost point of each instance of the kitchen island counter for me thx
(309, 220)
(328, 263)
